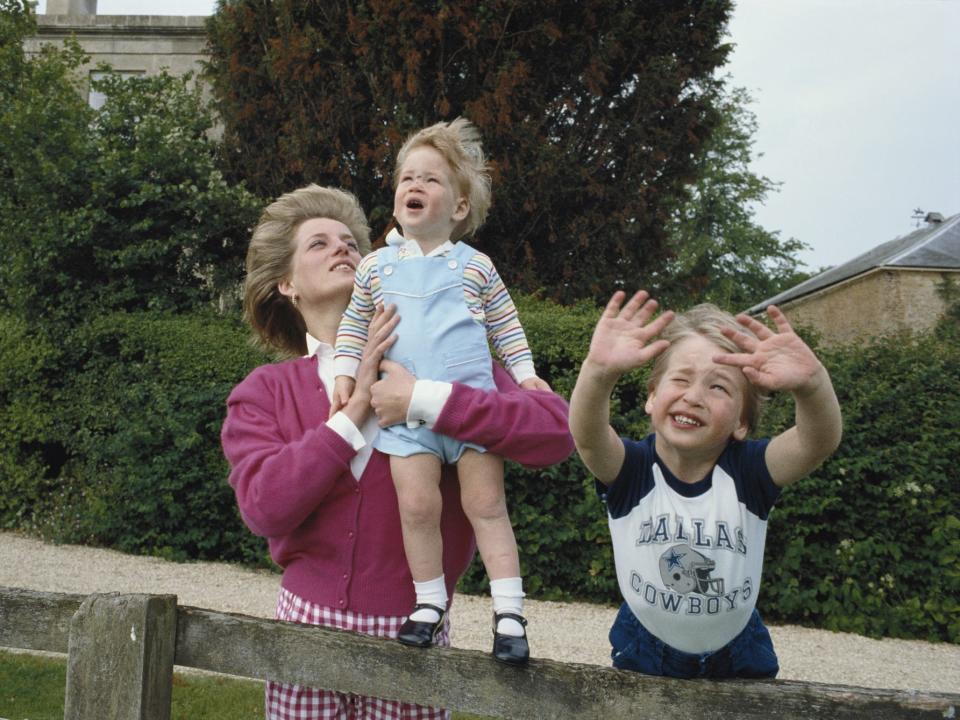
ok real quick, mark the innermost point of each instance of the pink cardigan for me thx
(338, 540)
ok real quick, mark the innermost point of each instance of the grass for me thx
(32, 688)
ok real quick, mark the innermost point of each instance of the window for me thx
(95, 98)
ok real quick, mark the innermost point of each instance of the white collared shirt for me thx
(411, 248)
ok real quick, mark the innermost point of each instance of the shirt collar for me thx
(316, 347)
(412, 249)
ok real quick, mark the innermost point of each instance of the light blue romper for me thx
(437, 339)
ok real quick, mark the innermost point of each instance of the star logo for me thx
(673, 559)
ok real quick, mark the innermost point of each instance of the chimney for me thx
(71, 7)
(933, 218)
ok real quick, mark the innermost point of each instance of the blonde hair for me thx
(706, 320)
(458, 142)
(275, 320)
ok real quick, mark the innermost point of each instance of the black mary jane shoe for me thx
(510, 649)
(418, 633)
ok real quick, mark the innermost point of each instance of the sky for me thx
(858, 111)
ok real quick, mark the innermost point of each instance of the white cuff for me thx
(426, 402)
(345, 366)
(523, 370)
(344, 427)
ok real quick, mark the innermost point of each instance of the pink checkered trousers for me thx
(295, 702)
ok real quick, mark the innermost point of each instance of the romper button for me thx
(344, 576)
(388, 270)
(452, 264)
(342, 603)
(350, 534)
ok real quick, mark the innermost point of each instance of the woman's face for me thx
(324, 262)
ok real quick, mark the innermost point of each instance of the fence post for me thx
(120, 658)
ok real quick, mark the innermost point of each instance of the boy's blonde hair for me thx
(458, 142)
(276, 322)
(706, 320)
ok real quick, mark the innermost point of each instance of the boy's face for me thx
(697, 406)
(426, 203)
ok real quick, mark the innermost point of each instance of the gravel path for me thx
(574, 632)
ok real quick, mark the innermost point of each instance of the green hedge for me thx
(128, 449)
(112, 439)
(26, 421)
(870, 542)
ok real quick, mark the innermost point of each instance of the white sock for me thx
(431, 592)
(507, 596)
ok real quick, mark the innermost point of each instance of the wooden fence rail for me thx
(121, 650)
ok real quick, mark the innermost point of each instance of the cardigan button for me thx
(452, 264)
(388, 270)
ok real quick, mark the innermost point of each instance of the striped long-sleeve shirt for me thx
(486, 297)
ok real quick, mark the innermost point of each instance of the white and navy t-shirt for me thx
(689, 556)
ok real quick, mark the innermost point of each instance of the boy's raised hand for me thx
(622, 338)
(774, 360)
(780, 360)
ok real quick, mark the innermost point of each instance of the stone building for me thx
(130, 44)
(897, 286)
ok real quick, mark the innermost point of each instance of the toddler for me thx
(451, 301)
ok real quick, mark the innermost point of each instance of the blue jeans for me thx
(749, 655)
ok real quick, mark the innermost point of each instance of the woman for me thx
(314, 487)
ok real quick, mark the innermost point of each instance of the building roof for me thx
(935, 246)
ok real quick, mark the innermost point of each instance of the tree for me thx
(123, 208)
(720, 253)
(44, 152)
(112, 221)
(593, 112)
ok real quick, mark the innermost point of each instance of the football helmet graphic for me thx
(684, 570)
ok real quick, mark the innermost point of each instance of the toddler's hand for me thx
(342, 390)
(535, 383)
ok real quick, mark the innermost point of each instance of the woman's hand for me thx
(379, 340)
(390, 396)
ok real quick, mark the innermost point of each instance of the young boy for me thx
(688, 505)
(451, 301)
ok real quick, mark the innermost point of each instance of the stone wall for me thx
(880, 302)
